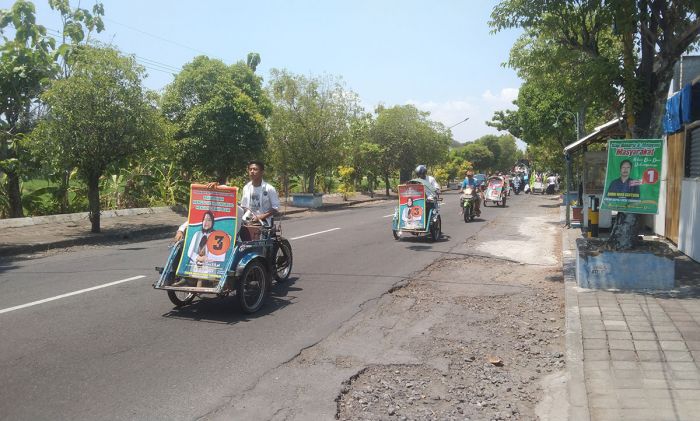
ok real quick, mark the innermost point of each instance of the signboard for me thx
(632, 177)
(211, 232)
(595, 165)
(412, 207)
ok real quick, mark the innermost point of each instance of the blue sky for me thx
(436, 55)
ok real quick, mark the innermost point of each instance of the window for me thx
(692, 154)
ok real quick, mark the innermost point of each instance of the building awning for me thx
(602, 133)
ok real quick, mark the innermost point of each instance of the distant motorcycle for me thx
(516, 185)
(468, 203)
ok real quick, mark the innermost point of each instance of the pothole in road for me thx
(501, 331)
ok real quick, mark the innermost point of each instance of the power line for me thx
(157, 36)
(145, 62)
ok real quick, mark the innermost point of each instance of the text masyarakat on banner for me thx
(632, 179)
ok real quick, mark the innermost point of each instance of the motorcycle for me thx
(516, 185)
(467, 203)
(551, 187)
(260, 254)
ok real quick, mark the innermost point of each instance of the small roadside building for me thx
(678, 218)
(592, 171)
(679, 202)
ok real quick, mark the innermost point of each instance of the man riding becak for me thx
(259, 200)
(432, 188)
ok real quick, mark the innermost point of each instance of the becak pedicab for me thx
(495, 191)
(418, 213)
(218, 257)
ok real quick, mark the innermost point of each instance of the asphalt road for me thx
(122, 351)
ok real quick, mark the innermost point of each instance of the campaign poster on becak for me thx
(632, 176)
(211, 232)
(412, 206)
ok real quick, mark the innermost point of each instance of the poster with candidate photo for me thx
(412, 207)
(211, 232)
(632, 176)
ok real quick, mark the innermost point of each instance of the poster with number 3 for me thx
(211, 232)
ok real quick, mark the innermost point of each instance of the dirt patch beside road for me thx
(478, 335)
(501, 333)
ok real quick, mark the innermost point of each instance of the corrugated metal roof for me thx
(600, 133)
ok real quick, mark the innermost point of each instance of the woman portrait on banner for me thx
(410, 219)
(198, 252)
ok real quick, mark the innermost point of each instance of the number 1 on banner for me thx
(651, 176)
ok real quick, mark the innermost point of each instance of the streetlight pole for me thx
(458, 123)
(569, 171)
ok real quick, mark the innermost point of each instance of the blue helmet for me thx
(421, 171)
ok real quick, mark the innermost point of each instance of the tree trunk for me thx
(14, 195)
(64, 187)
(386, 183)
(312, 180)
(404, 175)
(624, 231)
(93, 184)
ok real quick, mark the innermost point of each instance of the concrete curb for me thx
(123, 234)
(578, 394)
(82, 216)
(89, 239)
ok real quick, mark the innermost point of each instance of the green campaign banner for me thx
(632, 177)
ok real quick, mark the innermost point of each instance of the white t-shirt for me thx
(430, 179)
(259, 200)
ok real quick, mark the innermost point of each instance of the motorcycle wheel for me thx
(252, 288)
(181, 298)
(397, 237)
(436, 230)
(283, 261)
(503, 203)
(467, 214)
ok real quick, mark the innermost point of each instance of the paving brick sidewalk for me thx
(46, 233)
(633, 355)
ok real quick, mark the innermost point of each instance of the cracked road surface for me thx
(123, 352)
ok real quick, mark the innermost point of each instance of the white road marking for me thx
(314, 233)
(58, 297)
(386, 216)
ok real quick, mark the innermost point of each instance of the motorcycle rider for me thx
(469, 181)
(432, 188)
(422, 173)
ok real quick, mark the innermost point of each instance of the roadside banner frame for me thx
(209, 257)
(632, 177)
(412, 207)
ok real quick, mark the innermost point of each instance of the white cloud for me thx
(504, 98)
(479, 110)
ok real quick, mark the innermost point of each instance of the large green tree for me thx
(220, 113)
(628, 46)
(407, 137)
(26, 65)
(98, 117)
(310, 123)
(491, 153)
(633, 47)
